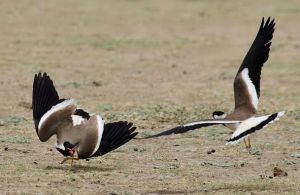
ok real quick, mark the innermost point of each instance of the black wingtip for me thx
(269, 23)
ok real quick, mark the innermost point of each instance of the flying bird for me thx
(79, 134)
(246, 94)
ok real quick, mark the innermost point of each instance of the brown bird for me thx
(78, 132)
(246, 94)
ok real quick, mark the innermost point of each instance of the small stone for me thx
(242, 164)
(6, 148)
(136, 149)
(97, 83)
(210, 151)
(277, 172)
(34, 162)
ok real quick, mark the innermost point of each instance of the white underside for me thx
(100, 124)
(251, 88)
(250, 123)
(77, 120)
(56, 108)
(211, 122)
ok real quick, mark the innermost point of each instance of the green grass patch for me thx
(15, 139)
(12, 121)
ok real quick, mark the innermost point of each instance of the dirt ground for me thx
(158, 64)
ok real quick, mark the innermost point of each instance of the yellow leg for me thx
(70, 168)
(245, 143)
(249, 143)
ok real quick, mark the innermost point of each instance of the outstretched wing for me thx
(115, 135)
(44, 96)
(251, 125)
(247, 80)
(191, 126)
(48, 110)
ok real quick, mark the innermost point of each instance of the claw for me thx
(69, 158)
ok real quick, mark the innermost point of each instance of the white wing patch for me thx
(251, 88)
(77, 120)
(100, 123)
(250, 123)
(211, 122)
(60, 146)
(55, 108)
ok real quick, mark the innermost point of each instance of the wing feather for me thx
(115, 135)
(252, 125)
(44, 96)
(192, 126)
(253, 62)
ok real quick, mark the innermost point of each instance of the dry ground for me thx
(158, 64)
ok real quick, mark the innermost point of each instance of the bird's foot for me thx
(69, 158)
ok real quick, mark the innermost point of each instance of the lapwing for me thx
(246, 94)
(80, 135)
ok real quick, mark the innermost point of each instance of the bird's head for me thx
(66, 149)
(218, 115)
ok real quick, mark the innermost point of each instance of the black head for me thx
(218, 114)
(68, 149)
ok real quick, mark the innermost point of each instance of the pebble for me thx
(277, 172)
(210, 151)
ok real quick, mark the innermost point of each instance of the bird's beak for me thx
(71, 151)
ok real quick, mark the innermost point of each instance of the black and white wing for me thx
(48, 110)
(252, 125)
(192, 126)
(247, 80)
(115, 135)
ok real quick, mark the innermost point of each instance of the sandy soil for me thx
(157, 64)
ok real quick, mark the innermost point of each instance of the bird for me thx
(242, 120)
(80, 135)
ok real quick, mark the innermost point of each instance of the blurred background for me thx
(158, 64)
